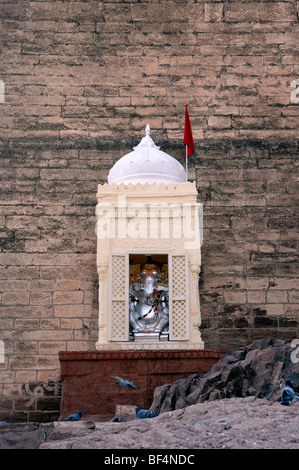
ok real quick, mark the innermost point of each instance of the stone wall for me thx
(79, 81)
(105, 68)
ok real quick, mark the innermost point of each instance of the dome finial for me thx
(146, 164)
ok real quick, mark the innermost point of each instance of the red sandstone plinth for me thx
(86, 387)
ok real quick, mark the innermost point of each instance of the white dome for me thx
(147, 164)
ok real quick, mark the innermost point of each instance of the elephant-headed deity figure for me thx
(149, 311)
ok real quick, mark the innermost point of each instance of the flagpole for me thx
(186, 162)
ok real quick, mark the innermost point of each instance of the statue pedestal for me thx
(146, 337)
(160, 345)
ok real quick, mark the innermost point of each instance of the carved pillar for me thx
(195, 319)
(103, 305)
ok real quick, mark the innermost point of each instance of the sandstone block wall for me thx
(79, 81)
(105, 68)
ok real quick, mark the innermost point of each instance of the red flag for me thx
(188, 139)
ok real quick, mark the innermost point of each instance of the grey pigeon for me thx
(142, 414)
(75, 417)
(123, 382)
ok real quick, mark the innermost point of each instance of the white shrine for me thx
(149, 236)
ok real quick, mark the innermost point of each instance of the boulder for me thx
(31, 435)
(21, 435)
(259, 369)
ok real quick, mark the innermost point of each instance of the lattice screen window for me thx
(118, 298)
(179, 296)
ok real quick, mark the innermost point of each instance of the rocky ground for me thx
(235, 423)
(230, 423)
(236, 405)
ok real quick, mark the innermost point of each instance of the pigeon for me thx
(123, 382)
(142, 414)
(75, 417)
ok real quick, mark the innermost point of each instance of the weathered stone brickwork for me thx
(104, 68)
(79, 81)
